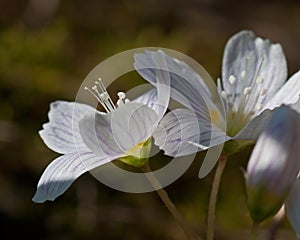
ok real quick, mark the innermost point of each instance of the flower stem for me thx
(190, 235)
(254, 231)
(277, 220)
(213, 197)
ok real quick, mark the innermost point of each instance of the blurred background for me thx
(47, 47)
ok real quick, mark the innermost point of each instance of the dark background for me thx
(46, 50)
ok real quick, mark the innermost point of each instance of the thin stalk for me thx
(190, 235)
(277, 220)
(213, 197)
(254, 231)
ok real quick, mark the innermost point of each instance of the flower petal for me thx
(187, 87)
(117, 132)
(63, 171)
(255, 127)
(247, 57)
(288, 94)
(274, 164)
(155, 63)
(296, 106)
(182, 132)
(61, 133)
(292, 206)
(149, 99)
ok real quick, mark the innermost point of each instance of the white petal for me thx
(187, 87)
(181, 133)
(117, 132)
(61, 133)
(255, 127)
(155, 64)
(288, 94)
(274, 163)
(257, 57)
(296, 106)
(63, 171)
(149, 99)
(292, 206)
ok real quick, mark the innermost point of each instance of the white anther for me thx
(119, 103)
(127, 100)
(247, 91)
(104, 96)
(121, 95)
(263, 92)
(100, 93)
(232, 79)
(224, 95)
(259, 80)
(259, 107)
(243, 74)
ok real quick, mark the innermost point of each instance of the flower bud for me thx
(274, 164)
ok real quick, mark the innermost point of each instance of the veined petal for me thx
(292, 206)
(182, 132)
(247, 57)
(63, 171)
(61, 133)
(274, 164)
(187, 87)
(118, 131)
(255, 127)
(288, 94)
(155, 64)
(149, 99)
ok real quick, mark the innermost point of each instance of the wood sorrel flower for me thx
(88, 138)
(274, 165)
(253, 83)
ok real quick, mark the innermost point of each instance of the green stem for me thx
(254, 231)
(277, 220)
(213, 197)
(190, 235)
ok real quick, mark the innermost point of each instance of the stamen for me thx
(91, 92)
(259, 107)
(121, 95)
(263, 92)
(247, 91)
(100, 93)
(232, 79)
(122, 98)
(259, 80)
(259, 67)
(243, 74)
(224, 95)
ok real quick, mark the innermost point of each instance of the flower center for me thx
(100, 93)
(138, 155)
(245, 98)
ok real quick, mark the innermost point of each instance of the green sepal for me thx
(138, 156)
(233, 146)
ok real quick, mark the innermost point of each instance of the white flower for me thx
(274, 165)
(253, 83)
(88, 138)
